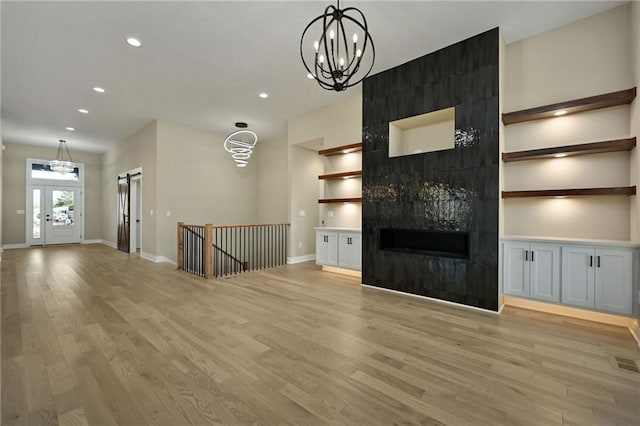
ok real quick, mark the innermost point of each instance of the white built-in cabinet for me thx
(341, 248)
(585, 276)
(532, 270)
(598, 278)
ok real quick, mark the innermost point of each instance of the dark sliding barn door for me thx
(124, 192)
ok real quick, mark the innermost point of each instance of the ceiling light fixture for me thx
(132, 41)
(60, 164)
(264, 95)
(560, 155)
(84, 111)
(99, 89)
(240, 144)
(335, 59)
(71, 129)
(560, 112)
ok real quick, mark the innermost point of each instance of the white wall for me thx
(137, 150)
(198, 183)
(585, 58)
(14, 189)
(305, 166)
(634, 124)
(336, 125)
(273, 181)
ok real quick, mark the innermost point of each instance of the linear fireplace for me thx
(433, 243)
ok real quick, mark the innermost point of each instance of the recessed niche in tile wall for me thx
(433, 131)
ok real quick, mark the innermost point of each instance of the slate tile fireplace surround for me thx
(452, 192)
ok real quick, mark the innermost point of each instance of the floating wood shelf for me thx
(344, 149)
(616, 190)
(571, 150)
(343, 175)
(621, 97)
(340, 200)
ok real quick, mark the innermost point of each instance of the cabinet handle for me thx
(526, 255)
(532, 255)
(591, 261)
(598, 261)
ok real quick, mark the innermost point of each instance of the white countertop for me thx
(333, 228)
(582, 241)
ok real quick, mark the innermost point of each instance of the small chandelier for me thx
(335, 59)
(240, 144)
(60, 165)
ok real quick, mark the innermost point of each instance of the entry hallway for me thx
(94, 336)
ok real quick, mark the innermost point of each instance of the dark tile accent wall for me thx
(450, 190)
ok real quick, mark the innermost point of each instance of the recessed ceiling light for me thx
(263, 95)
(71, 129)
(132, 41)
(99, 89)
(561, 112)
(84, 111)
(562, 154)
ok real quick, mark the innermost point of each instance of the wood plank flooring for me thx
(92, 336)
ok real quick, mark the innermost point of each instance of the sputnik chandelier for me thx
(60, 165)
(339, 57)
(240, 144)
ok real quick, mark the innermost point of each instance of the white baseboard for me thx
(156, 259)
(300, 259)
(14, 246)
(634, 328)
(109, 244)
(91, 242)
(444, 302)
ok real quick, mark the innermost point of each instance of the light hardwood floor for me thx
(94, 336)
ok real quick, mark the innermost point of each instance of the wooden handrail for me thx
(248, 226)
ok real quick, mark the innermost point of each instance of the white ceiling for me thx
(203, 64)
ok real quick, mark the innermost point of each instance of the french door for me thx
(56, 214)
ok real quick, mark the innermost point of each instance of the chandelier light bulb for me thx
(355, 38)
(358, 53)
(342, 62)
(316, 46)
(321, 59)
(332, 34)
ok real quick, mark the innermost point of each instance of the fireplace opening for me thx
(433, 243)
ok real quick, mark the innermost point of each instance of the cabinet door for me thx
(578, 276)
(356, 251)
(613, 280)
(544, 272)
(326, 248)
(332, 249)
(344, 250)
(321, 248)
(516, 269)
(350, 251)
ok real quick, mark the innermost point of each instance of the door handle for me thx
(591, 261)
(532, 255)
(598, 261)
(526, 255)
